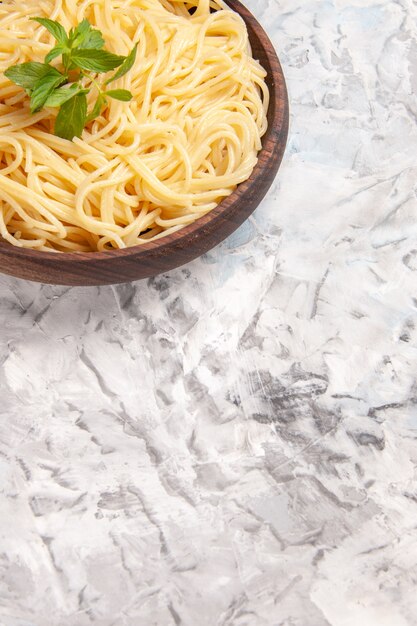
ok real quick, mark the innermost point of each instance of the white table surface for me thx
(234, 443)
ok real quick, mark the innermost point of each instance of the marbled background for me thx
(234, 443)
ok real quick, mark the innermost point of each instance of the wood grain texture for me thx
(118, 266)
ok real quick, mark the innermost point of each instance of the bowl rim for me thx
(274, 141)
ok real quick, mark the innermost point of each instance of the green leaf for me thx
(76, 35)
(120, 94)
(125, 67)
(62, 94)
(27, 74)
(43, 88)
(96, 60)
(72, 117)
(54, 28)
(93, 40)
(55, 52)
(100, 102)
(86, 37)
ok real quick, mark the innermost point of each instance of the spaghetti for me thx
(143, 168)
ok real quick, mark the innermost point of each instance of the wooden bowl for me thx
(155, 257)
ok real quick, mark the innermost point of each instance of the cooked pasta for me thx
(143, 168)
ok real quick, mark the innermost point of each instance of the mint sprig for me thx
(66, 86)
